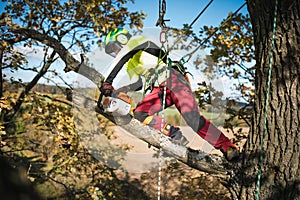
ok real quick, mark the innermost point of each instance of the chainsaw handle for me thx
(99, 105)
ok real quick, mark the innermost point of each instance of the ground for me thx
(178, 181)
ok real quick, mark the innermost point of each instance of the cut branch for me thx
(194, 158)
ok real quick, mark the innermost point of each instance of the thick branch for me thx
(196, 159)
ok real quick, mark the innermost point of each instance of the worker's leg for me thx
(146, 112)
(184, 100)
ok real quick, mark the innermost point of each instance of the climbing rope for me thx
(163, 39)
(266, 105)
(189, 55)
(198, 16)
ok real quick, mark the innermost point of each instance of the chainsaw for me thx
(119, 105)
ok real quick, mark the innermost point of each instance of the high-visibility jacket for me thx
(141, 58)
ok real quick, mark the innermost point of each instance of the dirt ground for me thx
(178, 181)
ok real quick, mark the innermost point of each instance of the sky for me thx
(184, 12)
(179, 13)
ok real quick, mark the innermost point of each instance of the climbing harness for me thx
(266, 104)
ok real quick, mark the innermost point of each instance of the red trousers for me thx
(179, 93)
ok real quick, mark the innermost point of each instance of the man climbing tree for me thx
(143, 58)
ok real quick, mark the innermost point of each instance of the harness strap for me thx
(148, 47)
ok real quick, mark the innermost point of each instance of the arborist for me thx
(147, 62)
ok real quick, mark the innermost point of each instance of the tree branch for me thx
(71, 63)
(194, 158)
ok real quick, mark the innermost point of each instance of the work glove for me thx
(106, 89)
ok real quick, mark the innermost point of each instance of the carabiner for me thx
(185, 58)
(163, 36)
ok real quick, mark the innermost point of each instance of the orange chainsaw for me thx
(118, 105)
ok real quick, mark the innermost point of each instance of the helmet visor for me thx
(113, 48)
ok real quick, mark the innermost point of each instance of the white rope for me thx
(162, 40)
(160, 147)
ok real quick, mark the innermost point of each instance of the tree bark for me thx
(280, 166)
(1, 65)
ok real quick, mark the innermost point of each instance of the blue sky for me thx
(185, 11)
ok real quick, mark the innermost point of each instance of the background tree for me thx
(45, 144)
(73, 26)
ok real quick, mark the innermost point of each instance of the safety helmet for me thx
(115, 40)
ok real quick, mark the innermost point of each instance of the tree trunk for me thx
(280, 166)
(1, 65)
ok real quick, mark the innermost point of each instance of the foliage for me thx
(231, 54)
(43, 139)
(42, 132)
(12, 58)
(78, 25)
(83, 23)
(80, 20)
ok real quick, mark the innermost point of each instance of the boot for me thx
(231, 153)
(177, 136)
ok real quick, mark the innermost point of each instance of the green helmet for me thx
(115, 40)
